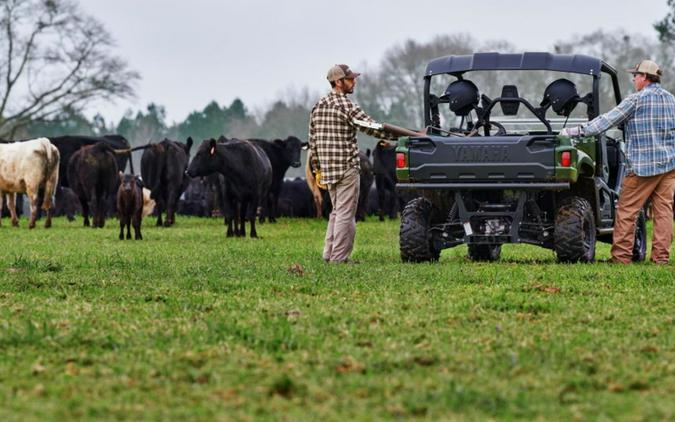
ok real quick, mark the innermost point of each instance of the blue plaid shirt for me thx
(650, 129)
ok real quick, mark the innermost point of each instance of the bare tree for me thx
(53, 57)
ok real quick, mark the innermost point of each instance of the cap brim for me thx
(352, 75)
(633, 71)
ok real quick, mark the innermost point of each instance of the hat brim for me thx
(352, 75)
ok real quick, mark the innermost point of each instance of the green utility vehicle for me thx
(487, 178)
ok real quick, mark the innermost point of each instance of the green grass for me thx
(187, 324)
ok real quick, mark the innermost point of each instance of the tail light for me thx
(566, 159)
(401, 161)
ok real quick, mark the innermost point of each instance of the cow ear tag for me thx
(213, 150)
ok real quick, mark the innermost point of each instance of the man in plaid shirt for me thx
(334, 158)
(649, 116)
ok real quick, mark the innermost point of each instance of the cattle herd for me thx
(240, 180)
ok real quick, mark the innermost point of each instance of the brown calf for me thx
(130, 205)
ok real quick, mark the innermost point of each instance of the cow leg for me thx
(241, 220)
(121, 227)
(97, 211)
(380, 202)
(236, 218)
(266, 212)
(11, 205)
(137, 225)
(247, 213)
(128, 223)
(48, 221)
(230, 230)
(94, 208)
(33, 198)
(227, 207)
(85, 210)
(254, 234)
(318, 203)
(272, 214)
(47, 206)
(170, 200)
(159, 204)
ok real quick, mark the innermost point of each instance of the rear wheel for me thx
(640, 243)
(574, 237)
(484, 252)
(414, 238)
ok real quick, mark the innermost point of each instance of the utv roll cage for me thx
(570, 63)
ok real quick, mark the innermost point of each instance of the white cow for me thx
(148, 203)
(26, 167)
(313, 187)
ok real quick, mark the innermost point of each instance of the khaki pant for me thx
(635, 190)
(344, 195)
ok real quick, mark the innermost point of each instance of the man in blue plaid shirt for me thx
(649, 116)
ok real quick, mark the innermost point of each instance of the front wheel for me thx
(414, 238)
(487, 253)
(574, 236)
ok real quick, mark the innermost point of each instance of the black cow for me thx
(198, 199)
(295, 199)
(163, 168)
(248, 177)
(92, 175)
(365, 182)
(67, 203)
(384, 167)
(282, 155)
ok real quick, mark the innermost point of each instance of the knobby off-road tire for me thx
(414, 238)
(484, 252)
(640, 243)
(574, 237)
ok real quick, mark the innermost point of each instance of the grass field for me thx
(187, 324)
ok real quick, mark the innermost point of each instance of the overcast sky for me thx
(191, 52)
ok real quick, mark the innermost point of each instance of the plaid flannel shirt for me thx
(332, 136)
(650, 129)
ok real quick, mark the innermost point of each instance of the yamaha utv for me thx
(493, 169)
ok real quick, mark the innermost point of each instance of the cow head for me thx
(127, 182)
(206, 160)
(291, 148)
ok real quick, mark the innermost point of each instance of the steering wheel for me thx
(501, 130)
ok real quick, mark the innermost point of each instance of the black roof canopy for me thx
(573, 63)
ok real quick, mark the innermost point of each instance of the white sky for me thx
(191, 52)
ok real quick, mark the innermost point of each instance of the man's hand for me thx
(572, 131)
(317, 177)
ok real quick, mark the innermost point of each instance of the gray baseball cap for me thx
(648, 67)
(340, 71)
